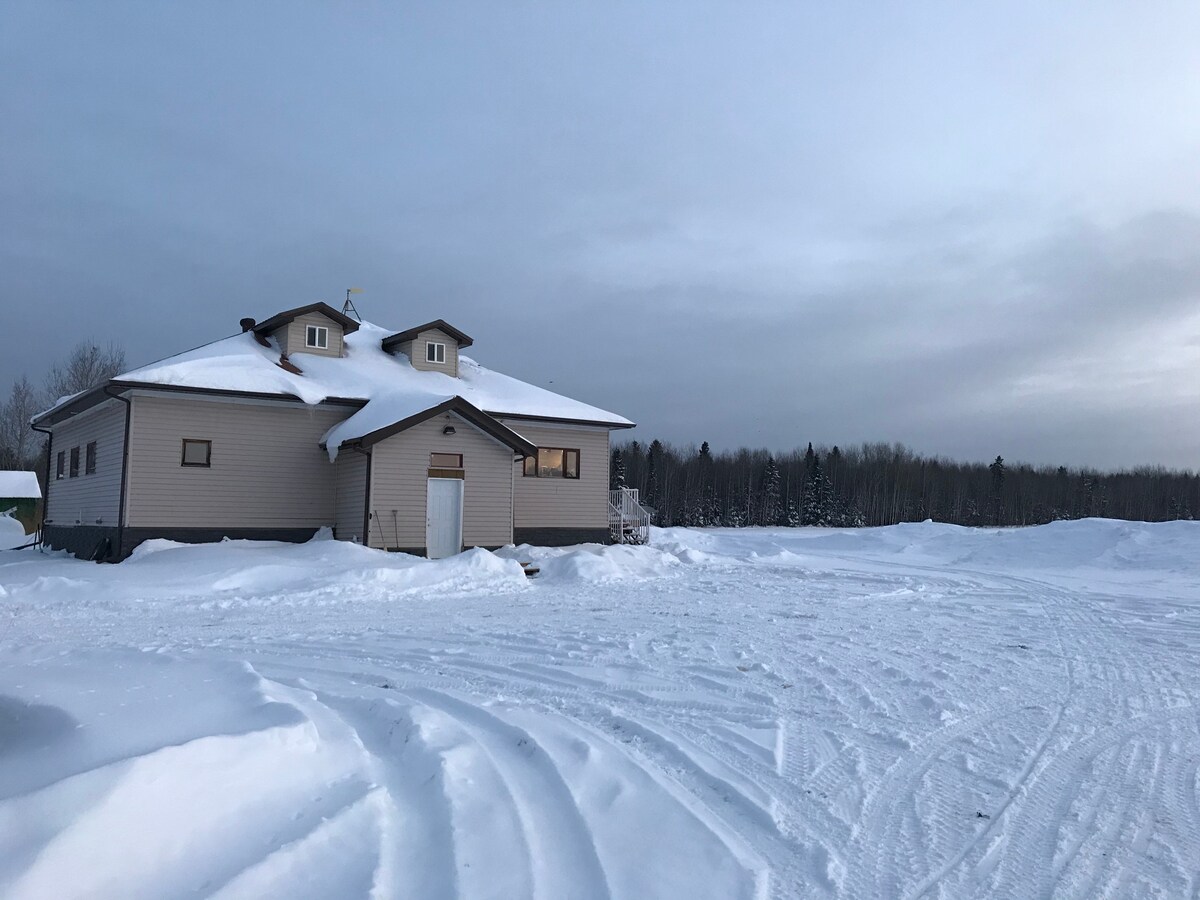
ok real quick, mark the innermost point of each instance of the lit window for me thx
(435, 353)
(553, 462)
(196, 453)
(89, 459)
(316, 336)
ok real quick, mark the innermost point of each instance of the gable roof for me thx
(19, 485)
(395, 340)
(386, 388)
(280, 319)
(460, 407)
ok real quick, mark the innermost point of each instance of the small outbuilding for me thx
(21, 497)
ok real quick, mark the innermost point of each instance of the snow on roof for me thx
(19, 484)
(393, 389)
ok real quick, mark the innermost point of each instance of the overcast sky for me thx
(973, 230)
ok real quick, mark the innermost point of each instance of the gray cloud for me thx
(975, 233)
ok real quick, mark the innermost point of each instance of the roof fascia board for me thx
(551, 420)
(410, 334)
(465, 410)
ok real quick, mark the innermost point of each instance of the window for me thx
(61, 465)
(435, 352)
(316, 336)
(553, 462)
(74, 462)
(196, 453)
(89, 459)
(445, 461)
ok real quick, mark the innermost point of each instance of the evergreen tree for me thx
(997, 470)
(707, 512)
(616, 470)
(769, 513)
(818, 499)
(653, 496)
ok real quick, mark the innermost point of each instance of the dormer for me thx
(317, 328)
(432, 347)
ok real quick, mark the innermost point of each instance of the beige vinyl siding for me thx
(564, 502)
(415, 351)
(291, 336)
(267, 470)
(399, 480)
(88, 499)
(350, 495)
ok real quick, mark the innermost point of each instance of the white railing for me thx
(628, 520)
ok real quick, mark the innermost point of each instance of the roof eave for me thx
(477, 417)
(281, 319)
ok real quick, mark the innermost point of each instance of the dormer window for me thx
(316, 336)
(435, 352)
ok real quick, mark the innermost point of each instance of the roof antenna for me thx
(348, 308)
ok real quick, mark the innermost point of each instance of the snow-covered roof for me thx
(392, 388)
(19, 484)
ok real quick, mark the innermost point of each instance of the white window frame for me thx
(439, 354)
(318, 332)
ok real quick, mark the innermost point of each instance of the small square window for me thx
(445, 461)
(60, 465)
(89, 459)
(435, 353)
(196, 453)
(316, 336)
(74, 462)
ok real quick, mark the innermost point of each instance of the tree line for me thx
(87, 366)
(883, 484)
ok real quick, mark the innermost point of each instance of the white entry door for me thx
(443, 517)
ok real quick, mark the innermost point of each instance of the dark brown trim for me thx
(409, 334)
(447, 473)
(49, 474)
(462, 408)
(207, 464)
(124, 461)
(552, 420)
(97, 395)
(283, 318)
(366, 536)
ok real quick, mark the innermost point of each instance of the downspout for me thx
(49, 460)
(124, 471)
(366, 496)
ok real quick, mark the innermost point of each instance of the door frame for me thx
(429, 516)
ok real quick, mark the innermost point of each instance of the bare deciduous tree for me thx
(19, 445)
(87, 366)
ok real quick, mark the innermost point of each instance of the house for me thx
(20, 496)
(308, 419)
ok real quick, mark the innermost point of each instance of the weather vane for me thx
(348, 308)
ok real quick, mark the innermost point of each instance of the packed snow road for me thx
(916, 711)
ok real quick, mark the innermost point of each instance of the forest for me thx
(883, 484)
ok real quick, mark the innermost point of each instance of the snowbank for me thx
(921, 710)
(12, 533)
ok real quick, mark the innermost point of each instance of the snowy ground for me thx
(912, 711)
